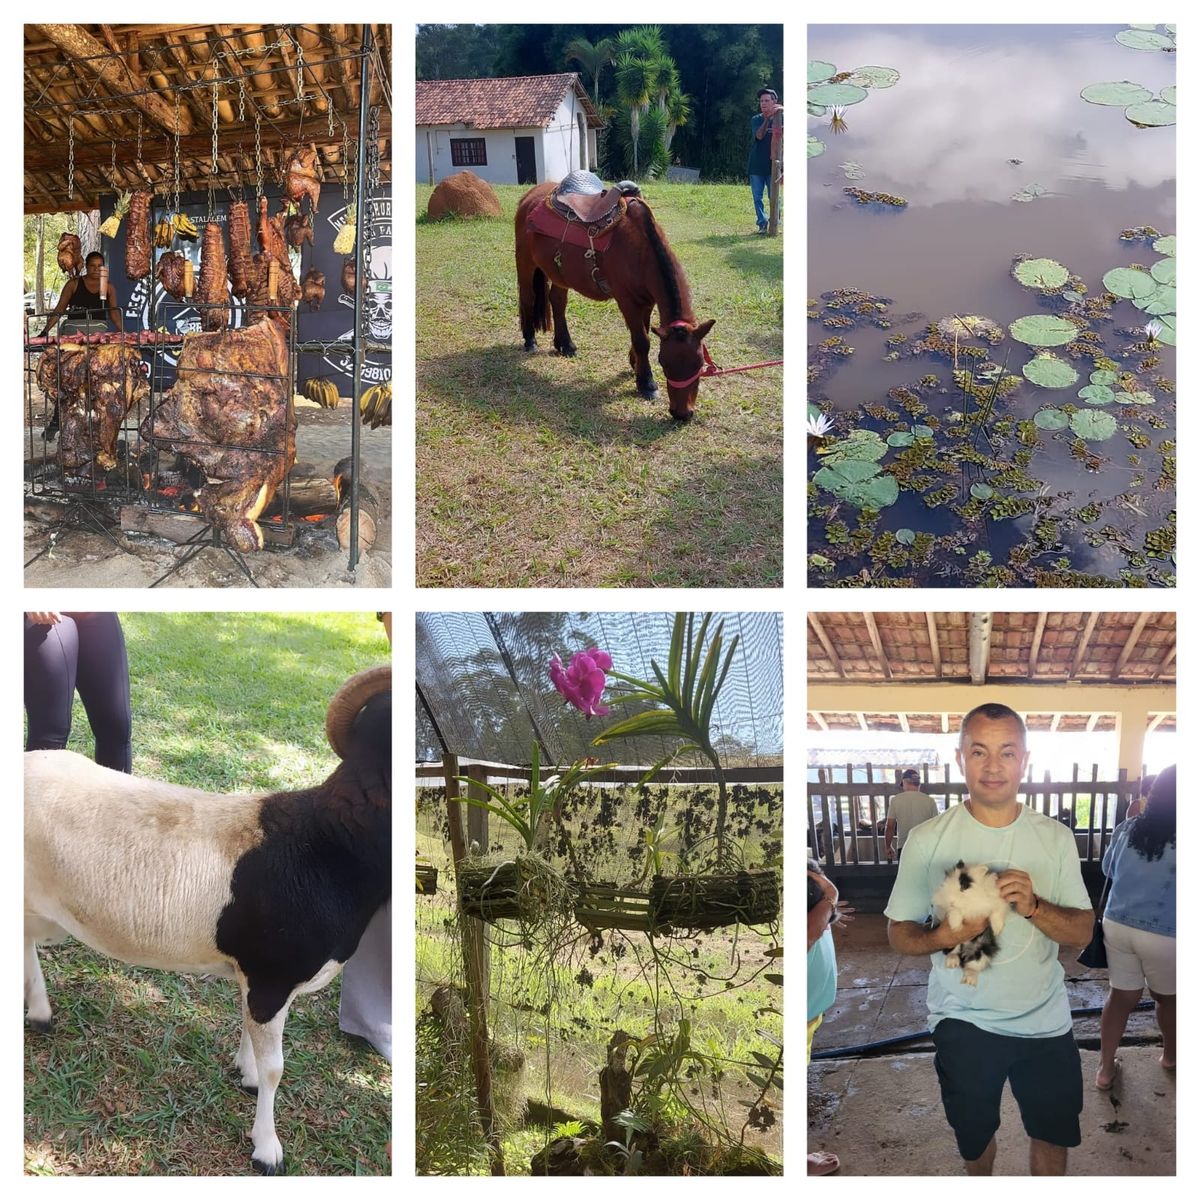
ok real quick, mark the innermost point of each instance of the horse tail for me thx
(541, 300)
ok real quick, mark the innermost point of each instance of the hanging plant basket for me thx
(526, 888)
(427, 877)
(606, 906)
(710, 901)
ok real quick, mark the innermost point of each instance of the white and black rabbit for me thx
(966, 894)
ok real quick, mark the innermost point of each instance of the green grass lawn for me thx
(138, 1076)
(539, 470)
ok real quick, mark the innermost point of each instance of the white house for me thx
(526, 129)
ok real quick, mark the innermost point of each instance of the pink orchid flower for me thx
(582, 683)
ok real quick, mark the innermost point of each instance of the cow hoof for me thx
(42, 1026)
(264, 1168)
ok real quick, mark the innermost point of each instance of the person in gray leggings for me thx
(79, 652)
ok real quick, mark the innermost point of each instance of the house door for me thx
(526, 161)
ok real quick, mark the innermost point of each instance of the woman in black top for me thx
(82, 301)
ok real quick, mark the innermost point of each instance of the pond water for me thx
(986, 153)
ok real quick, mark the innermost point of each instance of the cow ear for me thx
(701, 331)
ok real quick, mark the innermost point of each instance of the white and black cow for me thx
(273, 890)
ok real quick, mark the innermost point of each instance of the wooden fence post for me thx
(776, 176)
(475, 966)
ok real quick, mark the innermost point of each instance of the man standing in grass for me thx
(758, 167)
(1014, 1023)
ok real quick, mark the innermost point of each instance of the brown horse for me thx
(632, 265)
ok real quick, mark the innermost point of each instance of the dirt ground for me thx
(81, 557)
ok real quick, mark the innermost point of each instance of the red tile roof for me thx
(517, 102)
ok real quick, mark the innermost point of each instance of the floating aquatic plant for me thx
(1050, 418)
(1092, 425)
(876, 197)
(1040, 273)
(1150, 114)
(819, 425)
(1138, 37)
(853, 170)
(819, 71)
(1031, 191)
(969, 327)
(859, 483)
(874, 77)
(1121, 93)
(1050, 372)
(1130, 284)
(863, 445)
(843, 94)
(1164, 271)
(815, 146)
(1103, 378)
(1097, 393)
(1043, 330)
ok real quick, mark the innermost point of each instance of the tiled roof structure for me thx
(515, 103)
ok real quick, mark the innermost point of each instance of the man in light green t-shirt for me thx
(906, 810)
(1014, 1024)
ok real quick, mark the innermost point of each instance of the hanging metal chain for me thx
(216, 89)
(176, 188)
(373, 147)
(257, 154)
(299, 70)
(114, 165)
(241, 99)
(71, 157)
(139, 141)
(346, 160)
(329, 110)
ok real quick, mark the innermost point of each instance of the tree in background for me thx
(592, 59)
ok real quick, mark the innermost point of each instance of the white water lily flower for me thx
(1153, 329)
(819, 425)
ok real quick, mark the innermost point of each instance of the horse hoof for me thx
(267, 1168)
(530, 345)
(687, 416)
(42, 1026)
(248, 1089)
(650, 393)
(567, 350)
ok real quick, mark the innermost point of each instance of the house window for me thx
(468, 152)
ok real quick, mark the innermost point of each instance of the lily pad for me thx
(900, 438)
(1030, 191)
(1162, 301)
(875, 77)
(981, 491)
(1095, 426)
(1130, 284)
(1168, 94)
(1044, 330)
(863, 445)
(1097, 393)
(1103, 378)
(819, 71)
(922, 431)
(1144, 39)
(1049, 372)
(1137, 398)
(817, 110)
(1074, 297)
(1050, 418)
(905, 537)
(1151, 113)
(1041, 273)
(1164, 271)
(858, 483)
(836, 93)
(1165, 245)
(1121, 93)
(1167, 334)
(853, 170)
(815, 146)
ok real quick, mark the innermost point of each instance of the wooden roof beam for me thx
(1155, 722)
(826, 644)
(877, 642)
(1081, 649)
(1166, 662)
(903, 721)
(979, 649)
(862, 722)
(820, 720)
(1054, 722)
(1092, 721)
(1130, 643)
(1035, 647)
(77, 43)
(345, 69)
(935, 646)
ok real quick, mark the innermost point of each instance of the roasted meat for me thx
(348, 274)
(70, 255)
(137, 236)
(270, 235)
(312, 288)
(230, 412)
(93, 387)
(300, 178)
(287, 291)
(239, 247)
(214, 280)
(297, 229)
(170, 273)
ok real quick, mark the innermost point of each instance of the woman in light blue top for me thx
(1139, 925)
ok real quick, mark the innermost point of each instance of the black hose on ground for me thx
(885, 1043)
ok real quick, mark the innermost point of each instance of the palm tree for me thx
(679, 110)
(635, 84)
(591, 59)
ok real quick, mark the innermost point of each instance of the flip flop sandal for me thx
(1108, 1087)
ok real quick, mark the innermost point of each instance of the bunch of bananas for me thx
(185, 227)
(376, 405)
(164, 234)
(323, 391)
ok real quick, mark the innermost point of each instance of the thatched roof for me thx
(105, 80)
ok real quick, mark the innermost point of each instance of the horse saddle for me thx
(581, 196)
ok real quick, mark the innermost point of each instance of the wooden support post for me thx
(475, 958)
(776, 176)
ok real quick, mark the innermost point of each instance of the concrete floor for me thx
(882, 1115)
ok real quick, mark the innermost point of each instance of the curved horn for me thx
(350, 698)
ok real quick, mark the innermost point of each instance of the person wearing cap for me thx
(906, 810)
(758, 166)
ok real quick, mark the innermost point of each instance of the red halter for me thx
(709, 368)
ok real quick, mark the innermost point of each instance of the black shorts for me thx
(1045, 1073)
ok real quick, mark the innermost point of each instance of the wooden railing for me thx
(846, 820)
